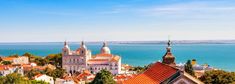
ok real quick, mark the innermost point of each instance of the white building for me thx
(82, 59)
(64, 81)
(17, 60)
(43, 77)
(8, 69)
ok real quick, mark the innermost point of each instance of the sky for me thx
(116, 20)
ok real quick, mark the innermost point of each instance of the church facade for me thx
(82, 59)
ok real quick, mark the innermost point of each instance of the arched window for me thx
(70, 71)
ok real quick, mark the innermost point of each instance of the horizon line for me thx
(117, 41)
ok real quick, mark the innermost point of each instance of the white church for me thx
(82, 59)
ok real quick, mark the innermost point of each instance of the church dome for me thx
(105, 49)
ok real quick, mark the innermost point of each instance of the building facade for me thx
(44, 77)
(82, 59)
(8, 69)
(17, 60)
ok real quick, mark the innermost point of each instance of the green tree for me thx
(103, 77)
(57, 73)
(2, 78)
(55, 59)
(6, 62)
(138, 69)
(16, 78)
(14, 55)
(189, 68)
(38, 82)
(13, 78)
(30, 74)
(218, 77)
(0, 59)
(40, 61)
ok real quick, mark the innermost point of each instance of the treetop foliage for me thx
(103, 77)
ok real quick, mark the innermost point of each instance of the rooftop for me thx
(156, 74)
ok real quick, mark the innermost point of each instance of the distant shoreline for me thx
(139, 42)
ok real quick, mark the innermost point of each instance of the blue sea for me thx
(220, 56)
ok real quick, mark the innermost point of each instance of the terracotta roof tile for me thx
(115, 59)
(4, 67)
(156, 74)
(8, 58)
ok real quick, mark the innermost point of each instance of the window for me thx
(70, 71)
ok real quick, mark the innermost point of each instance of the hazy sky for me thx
(116, 20)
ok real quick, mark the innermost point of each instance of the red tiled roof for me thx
(8, 58)
(156, 74)
(87, 72)
(38, 75)
(5, 67)
(115, 59)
